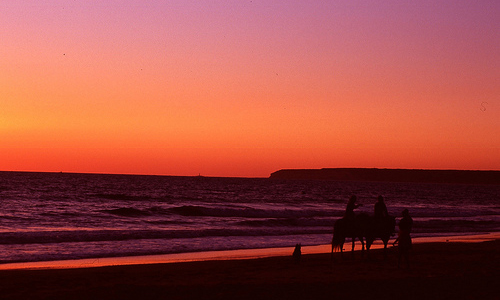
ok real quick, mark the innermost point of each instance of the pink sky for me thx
(244, 88)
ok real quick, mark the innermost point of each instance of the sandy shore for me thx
(446, 270)
(224, 255)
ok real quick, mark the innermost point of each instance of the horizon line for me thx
(220, 176)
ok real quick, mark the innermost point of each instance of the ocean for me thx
(58, 216)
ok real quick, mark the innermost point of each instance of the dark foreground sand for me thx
(438, 271)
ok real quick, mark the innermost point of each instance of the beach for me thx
(62, 217)
(96, 236)
(438, 270)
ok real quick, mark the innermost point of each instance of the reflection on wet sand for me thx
(222, 255)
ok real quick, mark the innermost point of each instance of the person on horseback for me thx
(380, 208)
(351, 206)
(346, 227)
(349, 216)
(380, 213)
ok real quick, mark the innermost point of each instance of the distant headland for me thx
(391, 175)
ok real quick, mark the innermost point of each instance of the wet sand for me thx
(443, 270)
(224, 255)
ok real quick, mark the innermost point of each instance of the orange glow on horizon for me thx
(245, 89)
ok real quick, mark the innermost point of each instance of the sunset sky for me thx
(244, 88)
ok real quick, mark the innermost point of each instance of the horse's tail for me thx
(336, 244)
(338, 236)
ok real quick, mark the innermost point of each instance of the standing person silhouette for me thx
(404, 238)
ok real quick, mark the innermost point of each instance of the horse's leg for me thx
(362, 246)
(342, 250)
(331, 254)
(353, 245)
(368, 245)
(385, 248)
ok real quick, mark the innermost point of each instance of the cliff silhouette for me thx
(391, 175)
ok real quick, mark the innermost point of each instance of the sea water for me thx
(57, 216)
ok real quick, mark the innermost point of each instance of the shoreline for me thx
(241, 254)
(439, 270)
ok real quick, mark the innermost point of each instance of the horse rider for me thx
(380, 212)
(380, 208)
(349, 210)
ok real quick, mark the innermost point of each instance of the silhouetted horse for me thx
(382, 228)
(345, 228)
(363, 226)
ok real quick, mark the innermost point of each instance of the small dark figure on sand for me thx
(404, 238)
(297, 253)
